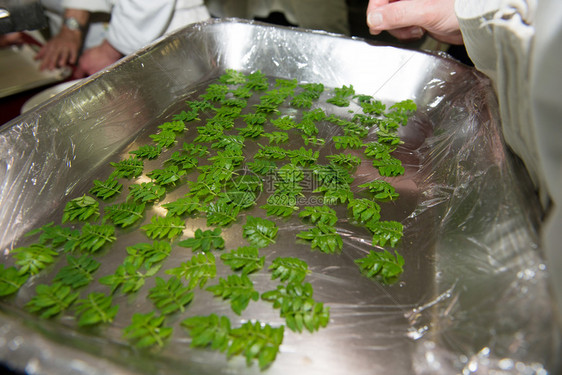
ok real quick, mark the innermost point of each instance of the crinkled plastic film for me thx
(473, 297)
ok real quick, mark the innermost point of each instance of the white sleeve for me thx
(135, 23)
(90, 5)
(546, 81)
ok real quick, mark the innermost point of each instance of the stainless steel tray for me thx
(473, 297)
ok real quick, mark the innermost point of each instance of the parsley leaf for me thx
(147, 330)
(323, 237)
(198, 270)
(389, 166)
(184, 205)
(11, 280)
(161, 227)
(148, 254)
(127, 168)
(319, 214)
(93, 237)
(33, 259)
(364, 210)
(51, 300)
(96, 308)
(280, 204)
(347, 141)
(298, 307)
(146, 192)
(347, 160)
(289, 269)
(170, 296)
(386, 231)
(78, 272)
(167, 176)
(124, 214)
(245, 258)
(221, 213)
(239, 289)
(147, 152)
(81, 209)
(128, 277)
(381, 265)
(259, 232)
(204, 240)
(212, 330)
(276, 137)
(106, 189)
(256, 341)
(383, 190)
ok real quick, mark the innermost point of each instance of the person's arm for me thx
(134, 24)
(411, 19)
(63, 49)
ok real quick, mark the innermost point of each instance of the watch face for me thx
(72, 24)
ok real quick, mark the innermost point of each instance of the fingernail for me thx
(374, 19)
(417, 32)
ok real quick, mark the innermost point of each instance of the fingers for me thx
(396, 15)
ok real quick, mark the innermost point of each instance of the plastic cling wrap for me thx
(473, 297)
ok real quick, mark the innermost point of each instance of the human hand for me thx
(411, 19)
(62, 50)
(11, 39)
(95, 59)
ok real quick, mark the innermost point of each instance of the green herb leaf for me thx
(284, 123)
(164, 227)
(276, 137)
(124, 214)
(185, 205)
(146, 192)
(289, 269)
(347, 141)
(323, 237)
(221, 213)
(184, 162)
(148, 254)
(386, 231)
(167, 176)
(303, 156)
(280, 204)
(128, 168)
(298, 307)
(233, 77)
(96, 308)
(239, 289)
(364, 210)
(204, 240)
(78, 272)
(256, 341)
(381, 265)
(11, 280)
(346, 160)
(33, 259)
(51, 300)
(212, 330)
(81, 209)
(198, 270)
(389, 167)
(259, 232)
(383, 190)
(128, 277)
(106, 189)
(93, 237)
(170, 296)
(147, 152)
(147, 330)
(245, 258)
(319, 214)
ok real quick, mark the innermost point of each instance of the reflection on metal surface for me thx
(4, 13)
(470, 240)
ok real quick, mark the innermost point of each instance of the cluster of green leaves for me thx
(220, 192)
(296, 305)
(254, 340)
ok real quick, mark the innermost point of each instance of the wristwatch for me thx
(73, 24)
